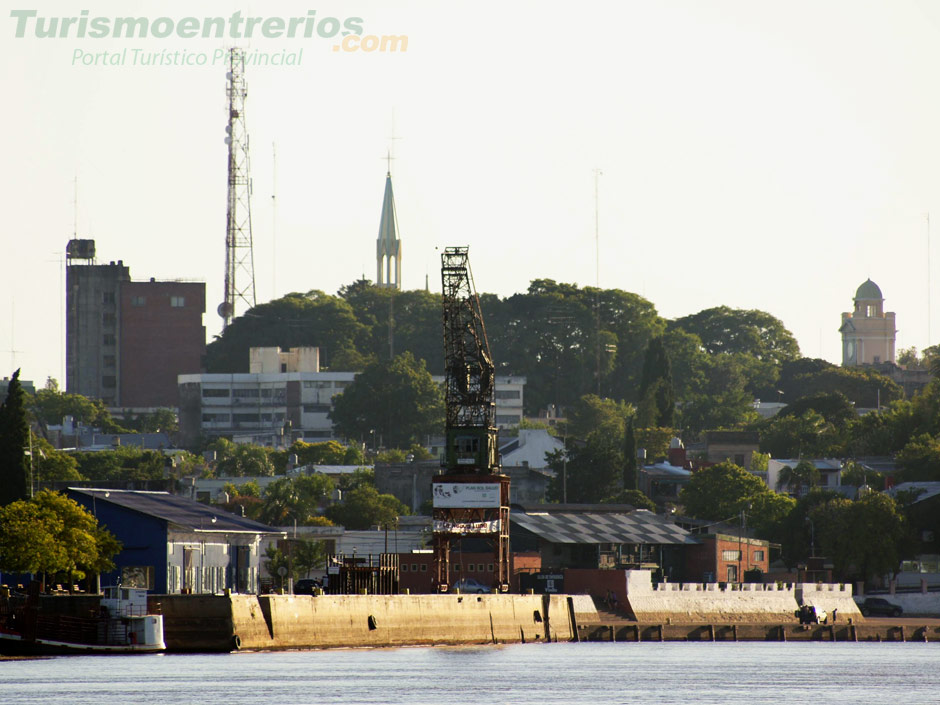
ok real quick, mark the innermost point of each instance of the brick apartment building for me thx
(127, 341)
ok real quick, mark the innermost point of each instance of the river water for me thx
(746, 672)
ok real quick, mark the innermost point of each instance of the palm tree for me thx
(805, 474)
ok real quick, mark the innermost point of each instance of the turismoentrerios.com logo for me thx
(30, 24)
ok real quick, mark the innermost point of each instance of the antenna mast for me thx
(239, 253)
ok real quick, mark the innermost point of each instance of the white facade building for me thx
(285, 398)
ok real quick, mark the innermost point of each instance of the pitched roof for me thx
(570, 524)
(388, 222)
(183, 512)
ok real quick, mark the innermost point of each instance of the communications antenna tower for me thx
(239, 254)
(471, 496)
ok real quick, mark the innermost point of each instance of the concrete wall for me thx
(211, 623)
(829, 597)
(712, 603)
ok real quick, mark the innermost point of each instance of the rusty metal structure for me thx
(471, 496)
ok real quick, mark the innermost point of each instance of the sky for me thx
(758, 154)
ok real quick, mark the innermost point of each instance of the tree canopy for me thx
(54, 534)
(14, 444)
(395, 400)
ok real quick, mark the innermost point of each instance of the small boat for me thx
(120, 625)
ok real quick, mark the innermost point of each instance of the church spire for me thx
(388, 245)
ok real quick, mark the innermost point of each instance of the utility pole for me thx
(597, 282)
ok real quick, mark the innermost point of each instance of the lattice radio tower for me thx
(239, 254)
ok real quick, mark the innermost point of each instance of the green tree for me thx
(294, 499)
(864, 387)
(855, 474)
(632, 497)
(156, 421)
(54, 534)
(295, 320)
(51, 465)
(50, 405)
(14, 444)
(364, 507)
(807, 435)
(397, 400)
(629, 455)
(123, 464)
(804, 476)
(919, 460)
(593, 471)
(657, 405)
(723, 401)
(241, 459)
(297, 558)
(590, 413)
(720, 492)
(757, 339)
(323, 453)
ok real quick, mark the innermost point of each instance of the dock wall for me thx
(214, 623)
(710, 603)
(828, 596)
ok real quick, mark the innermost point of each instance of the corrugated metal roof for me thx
(178, 510)
(639, 526)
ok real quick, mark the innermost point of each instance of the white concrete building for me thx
(509, 398)
(285, 397)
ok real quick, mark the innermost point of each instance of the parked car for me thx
(306, 586)
(470, 585)
(879, 605)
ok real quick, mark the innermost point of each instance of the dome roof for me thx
(868, 290)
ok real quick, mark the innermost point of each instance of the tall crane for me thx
(471, 496)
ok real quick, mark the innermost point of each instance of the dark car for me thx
(306, 586)
(879, 605)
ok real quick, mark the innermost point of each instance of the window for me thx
(480, 567)
(214, 392)
(317, 384)
(177, 301)
(471, 568)
(504, 420)
(758, 556)
(216, 418)
(109, 362)
(244, 393)
(404, 567)
(316, 408)
(107, 297)
(341, 385)
(138, 301)
(730, 555)
(508, 394)
(489, 567)
(424, 568)
(108, 319)
(414, 567)
(108, 339)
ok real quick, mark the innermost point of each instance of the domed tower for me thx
(867, 332)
